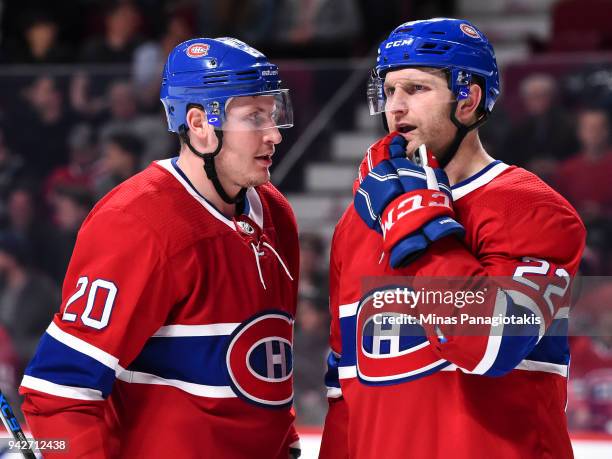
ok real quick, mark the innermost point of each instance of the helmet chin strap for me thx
(209, 166)
(462, 131)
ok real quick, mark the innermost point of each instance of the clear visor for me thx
(258, 112)
(401, 89)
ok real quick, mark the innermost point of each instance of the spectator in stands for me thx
(21, 212)
(23, 220)
(80, 170)
(579, 177)
(40, 41)
(121, 158)
(311, 348)
(122, 107)
(11, 169)
(544, 134)
(28, 299)
(120, 39)
(313, 276)
(150, 57)
(319, 24)
(40, 129)
(71, 205)
(124, 114)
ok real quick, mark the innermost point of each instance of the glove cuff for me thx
(407, 250)
(409, 212)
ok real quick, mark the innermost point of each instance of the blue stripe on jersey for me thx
(348, 327)
(518, 341)
(60, 364)
(194, 359)
(554, 345)
(476, 175)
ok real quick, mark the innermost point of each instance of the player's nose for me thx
(399, 102)
(272, 135)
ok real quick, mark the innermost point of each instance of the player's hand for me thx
(410, 204)
(391, 145)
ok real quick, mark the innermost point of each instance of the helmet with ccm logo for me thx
(210, 71)
(455, 45)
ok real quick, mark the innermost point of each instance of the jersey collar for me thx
(479, 179)
(252, 205)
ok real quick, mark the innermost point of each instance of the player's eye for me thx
(259, 120)
(413, 88)
(389, 91)
(254, 118)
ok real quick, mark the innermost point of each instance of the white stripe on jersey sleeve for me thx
(79, 393)
(84, 347)
(347, 310)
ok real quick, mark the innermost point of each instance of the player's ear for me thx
(201, 133)
(467, 109)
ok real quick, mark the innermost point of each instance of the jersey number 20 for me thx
(96, 286)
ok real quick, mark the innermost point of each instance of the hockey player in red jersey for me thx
(499, 393)
(174, 337)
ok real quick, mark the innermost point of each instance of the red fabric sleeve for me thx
(115, 247)
(335, 434)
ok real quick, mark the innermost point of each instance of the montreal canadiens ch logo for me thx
(198, 50)
(390, 348)
(469, 30)
(245, 227)
(260, 359)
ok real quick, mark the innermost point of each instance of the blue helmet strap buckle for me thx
(209, 167)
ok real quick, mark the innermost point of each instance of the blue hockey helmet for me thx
(210, 72)
(454, 45)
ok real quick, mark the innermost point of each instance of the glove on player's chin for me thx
(390, 146)
(411, 205)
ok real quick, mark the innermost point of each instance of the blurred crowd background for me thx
(79, 113)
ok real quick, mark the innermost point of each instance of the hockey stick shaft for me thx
(12, 425)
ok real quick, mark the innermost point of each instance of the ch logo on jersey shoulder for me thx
(391, 345)
(260, 359)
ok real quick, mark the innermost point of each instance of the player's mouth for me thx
(405, 128)
(264, 160)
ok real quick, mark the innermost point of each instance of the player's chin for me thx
(260, 178)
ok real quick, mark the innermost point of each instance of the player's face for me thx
(249, 138)
(418, 105)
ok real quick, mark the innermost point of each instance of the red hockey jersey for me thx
(175, 332)
(450, 396)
